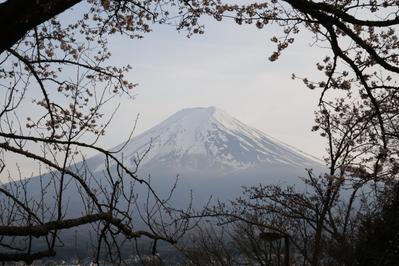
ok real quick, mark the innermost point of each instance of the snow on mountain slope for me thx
(208, 138)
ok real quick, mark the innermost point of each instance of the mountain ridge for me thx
(209, 138)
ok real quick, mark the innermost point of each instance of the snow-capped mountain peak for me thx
(210, 139)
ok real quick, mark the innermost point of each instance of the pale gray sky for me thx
(227, 67)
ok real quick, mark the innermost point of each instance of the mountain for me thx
(213, 153)
(208, 139)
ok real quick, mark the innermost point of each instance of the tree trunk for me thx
(17, 17)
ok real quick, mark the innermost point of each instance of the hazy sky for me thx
(227, 67)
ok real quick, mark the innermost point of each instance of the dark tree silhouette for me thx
(361, 126)
(39, 54)
(378, 236)
(55, 87)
